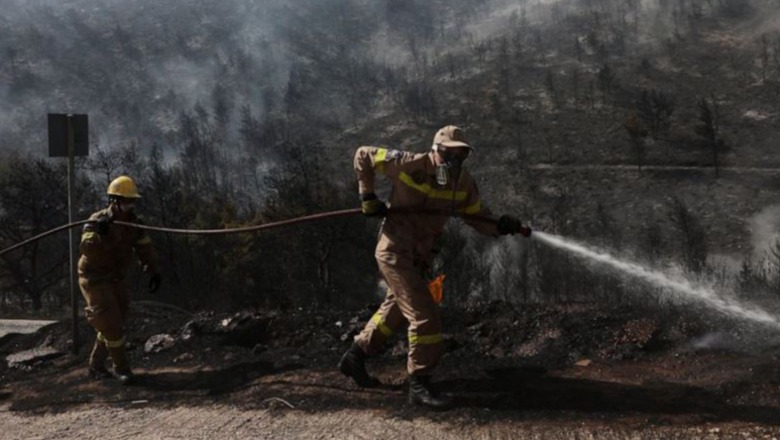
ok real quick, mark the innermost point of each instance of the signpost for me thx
(69, 137)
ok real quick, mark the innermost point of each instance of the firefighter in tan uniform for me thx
(433, 180)
(106, 254)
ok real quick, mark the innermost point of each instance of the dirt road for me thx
(544, 373)
(139, 421)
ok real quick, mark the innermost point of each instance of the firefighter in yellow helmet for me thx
(435, 180)
(106, 254)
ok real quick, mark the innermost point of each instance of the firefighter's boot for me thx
(353, 364)
(121, 369)
(97, 361)
(420, 393)
(125, 376)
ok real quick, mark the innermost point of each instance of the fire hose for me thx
(254, 228)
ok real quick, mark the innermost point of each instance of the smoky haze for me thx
(136, 66)
(248, 111)
(764, 228)
(132, 66)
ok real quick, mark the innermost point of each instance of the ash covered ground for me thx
(541, 365)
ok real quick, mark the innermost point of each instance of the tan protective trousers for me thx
(108, 303)
(407, 300)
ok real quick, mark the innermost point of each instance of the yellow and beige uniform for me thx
(103, 267)
(404, 248)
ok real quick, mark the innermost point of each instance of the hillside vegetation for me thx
(641, 126)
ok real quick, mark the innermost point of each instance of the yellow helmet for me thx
(123, 186)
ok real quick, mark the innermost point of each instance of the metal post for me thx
(72, 235)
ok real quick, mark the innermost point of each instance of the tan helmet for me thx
(450, 136)
(123, 186)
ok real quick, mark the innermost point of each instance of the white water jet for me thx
(701, 294)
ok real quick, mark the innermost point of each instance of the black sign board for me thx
(58, 134)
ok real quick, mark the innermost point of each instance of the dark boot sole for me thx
(441, 406)
(98, 374)
(348, 370)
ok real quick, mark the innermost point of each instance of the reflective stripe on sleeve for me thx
(425, 339)
(377, 320)
(379, 160)
(86, 235)
(432, 192)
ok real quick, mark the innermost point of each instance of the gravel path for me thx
(135, 420)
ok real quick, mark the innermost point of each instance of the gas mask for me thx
(453, 159)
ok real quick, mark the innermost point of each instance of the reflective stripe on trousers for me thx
(407, 300)
(111, 344)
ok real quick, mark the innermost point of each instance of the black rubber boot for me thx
(97, 362)
(99, 372)
(121, 369)
(420, 394)
(353, 364)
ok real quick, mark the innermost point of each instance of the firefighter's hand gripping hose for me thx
(508, 225)
(372, 206)
(255, 228)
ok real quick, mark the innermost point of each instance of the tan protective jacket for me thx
(406, 240)
(108, 257)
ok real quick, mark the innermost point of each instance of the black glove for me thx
(154, 282)
(103, 223)
(509, 225)
(372, 206)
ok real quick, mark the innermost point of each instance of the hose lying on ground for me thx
(254, 228)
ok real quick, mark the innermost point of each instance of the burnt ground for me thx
(533, 369)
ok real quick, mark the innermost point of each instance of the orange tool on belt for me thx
(436, 287)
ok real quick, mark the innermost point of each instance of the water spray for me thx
(702, 294)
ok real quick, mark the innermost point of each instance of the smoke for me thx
(767, 21)
(764, 228)
(114, 60)
(191, 80)
(715, 340)
(503, 258)
(189, 46)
